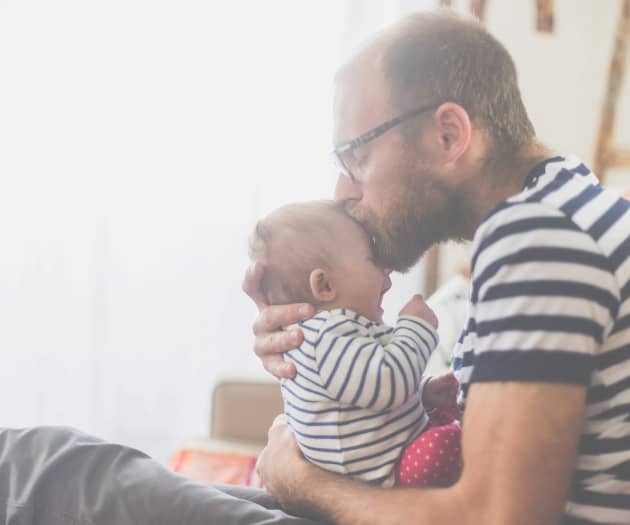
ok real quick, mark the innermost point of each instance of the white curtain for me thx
(139, 141)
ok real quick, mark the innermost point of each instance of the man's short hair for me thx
(440, 56)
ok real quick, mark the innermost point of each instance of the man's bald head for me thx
(439, 56)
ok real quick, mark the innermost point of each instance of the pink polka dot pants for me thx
(434, 458)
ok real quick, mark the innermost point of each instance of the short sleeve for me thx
(543, 298)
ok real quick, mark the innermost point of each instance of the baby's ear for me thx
(322, 286)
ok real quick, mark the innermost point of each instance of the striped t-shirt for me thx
(550, 302)
(356, 401)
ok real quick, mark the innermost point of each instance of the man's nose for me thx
(346, 190)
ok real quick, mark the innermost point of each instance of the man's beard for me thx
(419, 212)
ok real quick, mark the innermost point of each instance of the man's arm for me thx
(519, 449)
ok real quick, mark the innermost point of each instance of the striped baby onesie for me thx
(356, 401)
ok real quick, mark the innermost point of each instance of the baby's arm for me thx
(441, 392)
(356, 369)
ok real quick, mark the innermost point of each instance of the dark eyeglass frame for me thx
(369, 136)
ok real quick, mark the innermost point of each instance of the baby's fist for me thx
(418, 308)
(441, 392)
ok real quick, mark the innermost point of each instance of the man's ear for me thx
(454, 130)
(322, 286)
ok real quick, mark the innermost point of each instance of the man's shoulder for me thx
(516, 222)
(566, 210)
(517, 210)
(560, 194)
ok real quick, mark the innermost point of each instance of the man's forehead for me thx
(361, 101)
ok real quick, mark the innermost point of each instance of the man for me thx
(433, 143)
(544, 359)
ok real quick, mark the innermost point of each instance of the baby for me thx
(358, 405)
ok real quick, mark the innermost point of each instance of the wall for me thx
(563, 77)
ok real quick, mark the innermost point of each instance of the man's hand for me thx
(418, 308)
(441, 392)
(271, 341)
(519, 452)
(281, 466)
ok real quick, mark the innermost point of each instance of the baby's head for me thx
(315, 253)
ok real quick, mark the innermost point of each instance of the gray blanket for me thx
(54, 476)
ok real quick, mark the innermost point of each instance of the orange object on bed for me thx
(216, 467)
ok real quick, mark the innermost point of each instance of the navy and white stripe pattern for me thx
(550, 302)
(356, 401)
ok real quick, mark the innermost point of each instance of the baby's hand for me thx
(418, 308)
(441, 392)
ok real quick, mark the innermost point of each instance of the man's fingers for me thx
(252, 284)
(277, 342)
(277, 367)
(269, 348)
(271, 340)
(279, 420)
(273, 318)
(280, 431)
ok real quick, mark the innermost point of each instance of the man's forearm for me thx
(305, 489)
(343, 501)
(532, 429)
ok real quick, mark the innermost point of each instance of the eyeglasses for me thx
(343, 155)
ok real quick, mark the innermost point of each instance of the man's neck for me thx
(507, 177)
